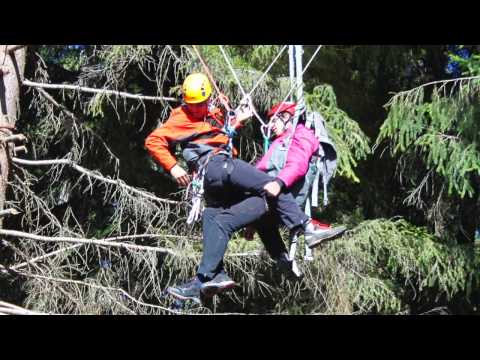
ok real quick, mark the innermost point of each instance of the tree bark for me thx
(12, 67)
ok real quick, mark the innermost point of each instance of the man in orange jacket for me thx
(235, 192)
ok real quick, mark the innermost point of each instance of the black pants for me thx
(267, 229)
(235, 198)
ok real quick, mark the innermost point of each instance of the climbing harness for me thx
(230, 131)
(267, 135)
(196, 187)
(197, 190)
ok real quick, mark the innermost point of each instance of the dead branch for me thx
(75, 120)
(16, 137)
(246, 254)
(98, 91)
(59, 251)
(104, 288)
(43, 257)
(103, 242)
(9, 212)
(12, 48)
(20, 149)
(10, 309)
(92, 174)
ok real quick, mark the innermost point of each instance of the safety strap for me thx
(291, 254)
(230, 131)
(197, 195)
(197, 190)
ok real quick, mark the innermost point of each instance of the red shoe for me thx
(318, 225)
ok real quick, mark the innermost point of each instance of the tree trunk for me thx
(12, 66)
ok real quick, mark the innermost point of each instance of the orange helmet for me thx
(196, 88)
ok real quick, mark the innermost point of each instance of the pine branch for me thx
(92, 174)
(59, 251)
(106, 289)
(112, 242)
(98, 91)
(75, 120)
(443, 82)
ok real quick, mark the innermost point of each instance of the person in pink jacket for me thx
(290, 166)
(303, 145)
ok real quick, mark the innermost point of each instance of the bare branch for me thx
(103, 242)
(9, 212)
(72, 116)
(43, 257)
(104, 288)
(20, 149)
(12, 48)
(92, 174)
(16, 137)
(11, 309)
(245, 254)
(47, 96)
(98, 91)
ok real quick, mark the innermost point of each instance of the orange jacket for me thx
(180, 128)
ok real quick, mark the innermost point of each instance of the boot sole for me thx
(317, 242)
(212, 290)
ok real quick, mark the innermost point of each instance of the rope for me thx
(207, 70)
(264, 128)
(301, 105)
(228, 129)
(210, 76)
(303, 72)
(298, 78)
(245, 96)
(291, 66)
(267, 70)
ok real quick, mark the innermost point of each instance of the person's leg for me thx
(267, 229)
(218, 228)
(288, 211)
(212, 248)
(246, 177)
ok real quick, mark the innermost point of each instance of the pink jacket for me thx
(303, 146)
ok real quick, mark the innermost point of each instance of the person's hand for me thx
(273, 188)
(245, 110)
(224, 101)
(180, 175)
